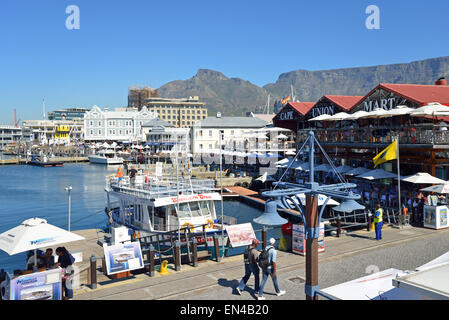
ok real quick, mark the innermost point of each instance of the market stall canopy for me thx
(423, 178)
(113, 145)
(105, 145)
(323, 117)
(441, 188)
(303, 167)
(282, 136)
(290, 153)
(431, 109)
(357, 171)
(33, 234)
(284, 161)
(377, 174)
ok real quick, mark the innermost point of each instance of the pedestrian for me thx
(65, 261)
(132, 175)
(119, 175)
(250, 257)
(49, 259)
(378, 222)
(267, 261)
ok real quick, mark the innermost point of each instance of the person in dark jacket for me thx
(65, 260)
(250, 267)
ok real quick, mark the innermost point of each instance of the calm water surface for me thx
(28, 191)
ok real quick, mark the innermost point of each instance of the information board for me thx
(240, 234)
(123, 257)
(44, 285)
(299, 239)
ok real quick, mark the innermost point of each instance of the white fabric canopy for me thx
(441, 188)
(323, 117)
(303, 167)
(357, 171)
(290, 153)
(377, 113)
(431, 109)
(282, 136)
(33, 234)
(398, 111)
(325, 167)
(357, 115)
(343, 169)
(339, 116)
(321, 199)
(423, 178)
(377, 174)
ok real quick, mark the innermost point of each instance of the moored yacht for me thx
(105, 157)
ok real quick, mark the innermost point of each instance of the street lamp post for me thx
(69, 189)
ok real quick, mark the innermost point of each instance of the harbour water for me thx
(28, 191)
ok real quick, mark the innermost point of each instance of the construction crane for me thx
(16, 122)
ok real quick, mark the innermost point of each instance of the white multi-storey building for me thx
(122, 124)
(162, 137)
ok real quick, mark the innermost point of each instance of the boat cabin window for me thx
(184, 210)
(204, 206)
(195, 209)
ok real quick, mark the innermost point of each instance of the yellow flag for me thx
(389, 153)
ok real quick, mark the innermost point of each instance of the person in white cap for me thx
(267, 261)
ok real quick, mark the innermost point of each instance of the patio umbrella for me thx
(339, 116)
(303, 167)
(356, 115)
(33, 234)
(377, 174)
(282, 136)
(431, 109)
(423, 178)
(343, 169)
(377, 113)
(441, 188)
(323, 117)
(105, 145)
(398, 111)
(325, 167)
(357, 171)
(283, 161)
(290, 153)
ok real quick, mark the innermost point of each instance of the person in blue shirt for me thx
(270, 271)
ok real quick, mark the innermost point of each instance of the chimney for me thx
(441, 82)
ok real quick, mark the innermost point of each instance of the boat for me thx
(45, 162)
(106, 156)
(166, 205)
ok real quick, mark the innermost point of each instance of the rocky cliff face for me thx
(234, 96)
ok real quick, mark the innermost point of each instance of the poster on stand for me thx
(123, 257)
(44, 285)
(240, 234)
(299, 239)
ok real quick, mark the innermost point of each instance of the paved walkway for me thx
(345, 258)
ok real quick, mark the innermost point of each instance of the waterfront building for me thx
(53, 131)
(182, 113)
(67, 114)
(162, 136)
(9, 135)
(122, 124)
(423, 141)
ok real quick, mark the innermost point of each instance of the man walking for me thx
(132, 175)
(378, 222)
(250, 257)
(267, 261)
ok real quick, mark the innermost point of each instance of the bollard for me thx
(264, 237)
(217, 252)
(368, 219)
(194, 252)
(150, 258)
(338, 226)
(177, 256)
(93, 272)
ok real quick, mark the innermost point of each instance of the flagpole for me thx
(399, 175)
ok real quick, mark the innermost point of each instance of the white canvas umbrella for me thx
(323, 117)
(423, 178)
(105, 145)
(377, 174)
(303, 167)
(325, 167)
(343, 169)
(290, 153)
(113, 145)
(282, 136)
(357, 171)
(377, 113)
(283, 161)
(398, 111)
(339, 116)
(431, 109)
(357, 115)
(33, 234)
(441, 188)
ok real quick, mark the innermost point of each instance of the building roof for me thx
(157, 122)
(231, 122)
(264, 117)
(344, 102)
(301, 107)
(418, 93)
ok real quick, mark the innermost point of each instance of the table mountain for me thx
(234, 96)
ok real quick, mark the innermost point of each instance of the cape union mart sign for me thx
(386, 104)
(320, 110)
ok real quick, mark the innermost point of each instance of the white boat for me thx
(105, 157)
(162, 205)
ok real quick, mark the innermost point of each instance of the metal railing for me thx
(418, 134)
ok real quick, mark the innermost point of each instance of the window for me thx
(91, 132)
(210, 133)
(99, 131)
(91, 123)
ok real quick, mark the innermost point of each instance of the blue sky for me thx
(121, 43)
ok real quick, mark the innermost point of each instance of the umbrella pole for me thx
(35, 260)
